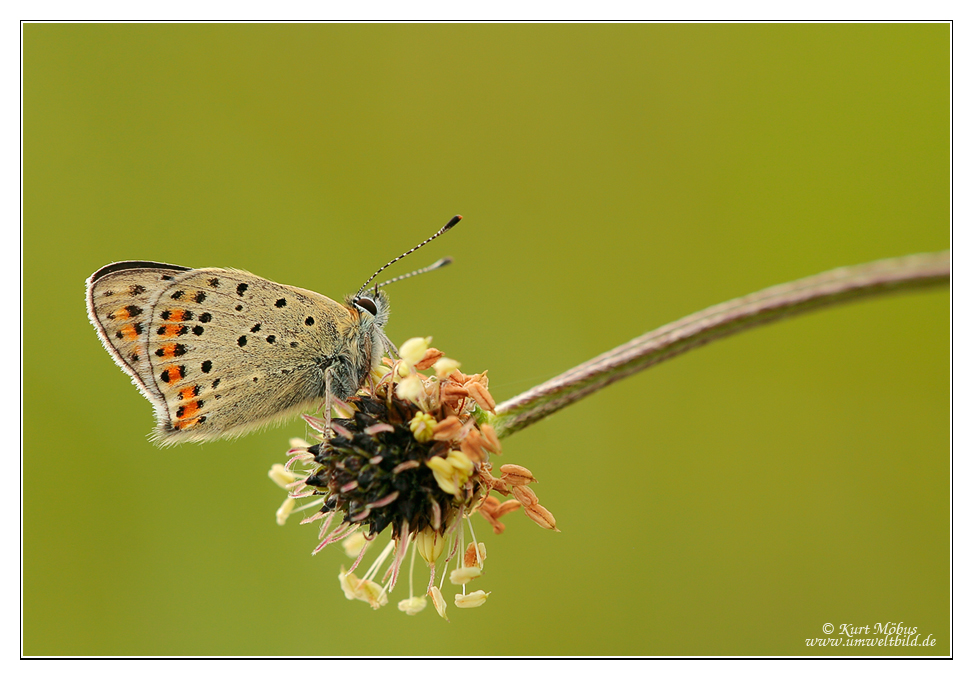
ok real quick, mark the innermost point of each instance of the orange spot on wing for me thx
(173, 374)
(187, 393)
(177, 315)
(185, 424)
(129, 333)
(171, 331)
(121, 314)
(190, 409)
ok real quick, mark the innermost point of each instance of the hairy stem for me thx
(771, 304)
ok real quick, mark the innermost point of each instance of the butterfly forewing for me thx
(229, 352)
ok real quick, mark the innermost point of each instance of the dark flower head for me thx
(375, 472)
(410, 452)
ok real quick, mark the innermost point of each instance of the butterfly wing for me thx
(227, 352)
(119, 297)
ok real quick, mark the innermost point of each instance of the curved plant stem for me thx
(771, 304)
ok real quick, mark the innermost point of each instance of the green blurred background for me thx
(613, 178)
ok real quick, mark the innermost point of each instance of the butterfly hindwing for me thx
(119, 297)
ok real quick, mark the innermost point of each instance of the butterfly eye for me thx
(367, 305)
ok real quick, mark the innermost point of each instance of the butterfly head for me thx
(373, 314)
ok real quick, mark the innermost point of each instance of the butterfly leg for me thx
(328, 401)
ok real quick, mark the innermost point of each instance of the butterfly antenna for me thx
(435, 265)
(441, 263)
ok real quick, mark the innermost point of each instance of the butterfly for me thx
(220, 352)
